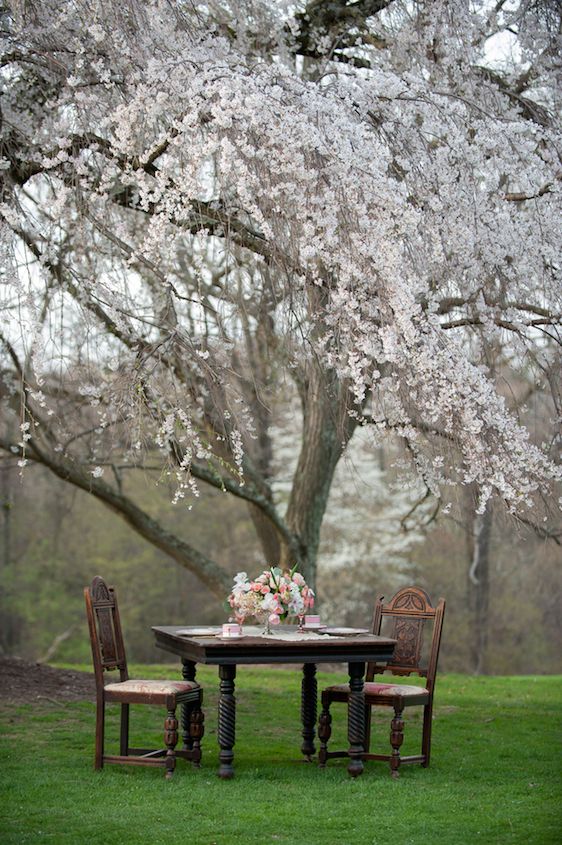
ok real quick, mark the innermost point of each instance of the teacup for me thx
(312, 621)
(231, 629)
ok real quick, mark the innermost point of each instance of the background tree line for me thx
(54, 539)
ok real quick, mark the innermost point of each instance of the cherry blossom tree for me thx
(203, 204)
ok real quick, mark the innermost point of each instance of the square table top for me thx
(255, 648)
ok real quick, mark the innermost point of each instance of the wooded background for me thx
(55, 538)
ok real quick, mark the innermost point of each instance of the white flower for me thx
(241, 578)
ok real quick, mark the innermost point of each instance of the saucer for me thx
(346, 632)
(198, 632)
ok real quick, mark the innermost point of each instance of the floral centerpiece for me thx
(271, 597)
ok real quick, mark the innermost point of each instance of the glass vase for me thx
(264, 619)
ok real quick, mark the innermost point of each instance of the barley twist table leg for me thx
(227, 721)
(356, 718)
(309, 697)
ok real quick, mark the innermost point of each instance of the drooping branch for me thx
(530, 109)
(503, 324)
(521, 196)
(211, 217)
(209, 572)
(247, 492)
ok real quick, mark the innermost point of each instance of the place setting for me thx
(274, 597)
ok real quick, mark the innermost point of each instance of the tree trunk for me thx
(267, 535)
(479, 587)
(9, 629)
(327, 428)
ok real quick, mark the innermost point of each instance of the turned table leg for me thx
(227, 721)
(308, 709)
(356, 718)
(188, 674)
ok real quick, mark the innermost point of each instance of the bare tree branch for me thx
(209, 572)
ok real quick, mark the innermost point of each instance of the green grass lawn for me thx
(495, 775)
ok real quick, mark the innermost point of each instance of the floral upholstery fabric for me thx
(385, 689)
(393, 689)
(152, 687)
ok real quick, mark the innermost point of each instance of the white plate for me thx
(198, 632)
(318, 627)
(345, 632)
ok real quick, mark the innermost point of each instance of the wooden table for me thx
(298, 648)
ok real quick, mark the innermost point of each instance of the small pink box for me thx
(312, 621)
(231, 629)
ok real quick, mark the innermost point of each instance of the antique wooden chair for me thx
(408, 612)
(109, 653)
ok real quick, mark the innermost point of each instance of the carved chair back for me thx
(408, 613)
(106, 638)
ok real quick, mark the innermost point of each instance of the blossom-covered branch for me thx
(214, 218)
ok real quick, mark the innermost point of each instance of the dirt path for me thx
(21, 681)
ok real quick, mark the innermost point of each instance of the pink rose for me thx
(265, 589)
(274, 619)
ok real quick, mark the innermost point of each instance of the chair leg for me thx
(196, 733)
(396, 739)
(124, 736)
(426, 736)
(171, 740)
(100, 729)
(324, 733)
(185, 713)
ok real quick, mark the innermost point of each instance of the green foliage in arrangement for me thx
(495, 774)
